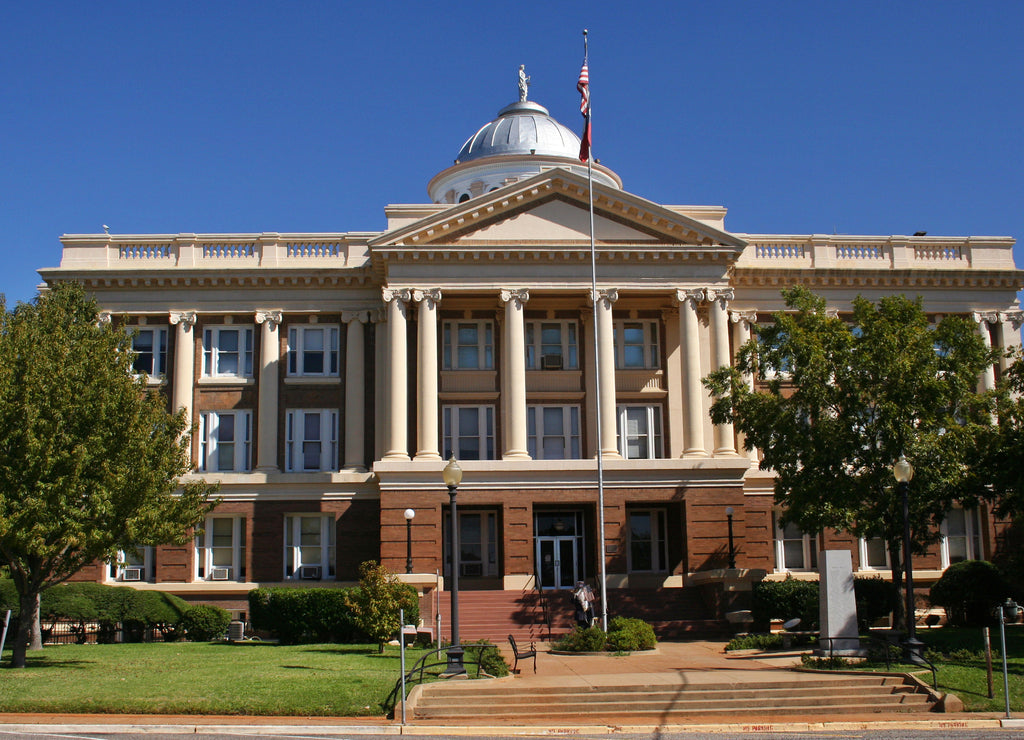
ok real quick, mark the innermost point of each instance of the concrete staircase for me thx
(512, 702)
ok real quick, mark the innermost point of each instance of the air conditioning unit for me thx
(220, 574)
(551, 362)
(309, 572)
(131, 574)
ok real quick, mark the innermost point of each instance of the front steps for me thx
(518, 702)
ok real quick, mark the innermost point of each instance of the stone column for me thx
(590, 394)
(983, 319)
(267, 408)
(426, 375)
(355, 390)
(693, 393)
(397, 442)
(606, 370)
(515, 374)
(742, 322)
(1009, 335)
(184, 361)
(725, 442)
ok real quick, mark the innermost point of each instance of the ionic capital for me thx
(832, 313)
(985, 317)
(363, 317)
(185, 318)
(694, 295)
(403, 295)
(518, 295)
(606, 295)
(721, 295)
(743, 317)
(271, 318)
(1014, 318)
(430, 297)
(103, 317)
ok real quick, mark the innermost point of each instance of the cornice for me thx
(301, 278)
(753, 277)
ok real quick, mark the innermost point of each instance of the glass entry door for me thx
(557, 565)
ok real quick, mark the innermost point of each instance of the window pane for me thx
(876, 553)
(313, 352)
(793, 552)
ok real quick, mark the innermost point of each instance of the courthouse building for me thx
(330, 375)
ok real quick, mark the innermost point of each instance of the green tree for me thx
(1001, 463)
(841, 401)
(90, 458)
(375, 602)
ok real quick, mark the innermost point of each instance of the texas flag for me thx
(584, 87)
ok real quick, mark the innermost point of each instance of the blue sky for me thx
(800, 117)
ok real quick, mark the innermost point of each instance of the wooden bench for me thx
(523, 654)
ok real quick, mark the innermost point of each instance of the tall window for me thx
(647, 541)
(312, 439)
(469, 432)
(961, 536)
(133, 565)
(309, 547)
(225, 441)
(468, 345)
(874, 554)
(150, 348)
(795, 549)
(553, 432)
(313, 350)
(639, 429)
(478, 544)
(220, 549)
(636, 345)
(551, 345)
(227, 352)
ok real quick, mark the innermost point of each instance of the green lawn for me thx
(204, 678)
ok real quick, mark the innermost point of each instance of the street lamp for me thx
(1007, 611)
(732, 550)
(409, 514)
(903, 471)
(452, 475)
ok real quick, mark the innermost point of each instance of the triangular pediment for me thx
(552, 208)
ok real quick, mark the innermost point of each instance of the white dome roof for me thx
(521, 128)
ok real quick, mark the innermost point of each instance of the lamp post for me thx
(452, 475)
(409, 514)
(732, 550)
(1006, 611)
(903, 471)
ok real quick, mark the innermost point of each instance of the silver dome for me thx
(521, 128)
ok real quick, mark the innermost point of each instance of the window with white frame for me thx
(794, 549)
(220, 549)
(225, 441)
(961, 536)
(551, 345)
(227, 352)
(313, 350)
(309, 547)
(636, 345)
(639, 430)
(553, 432)
(135, 564)
(312, 440)
(469, 432)
(647, 541)
(874, 554)
(150, 348)
(478, 544)
(468, 345)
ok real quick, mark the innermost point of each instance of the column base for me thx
(516, 455)
(268, 469)
(396, 457)
(610, 455)
(433, 456)
(695, 453)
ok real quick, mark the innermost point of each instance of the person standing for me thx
(583, 601)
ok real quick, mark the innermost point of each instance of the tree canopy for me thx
(841, 399)
(1001, 460)
(90, 457)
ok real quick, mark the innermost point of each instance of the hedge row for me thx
(791, 598)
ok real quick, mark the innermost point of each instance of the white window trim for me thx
(450, 345)
(810, 548)
(204, 551)
(297, 356)
(536, 437)
(659, 540)
(295, 429)
(293, 553)
(209, 426)
(451, 434)
(119, 569)
(159, 352)
(972, 534)
(656, 440)
(862, 545)
(211, 351)
(652, 346)
(569, 344)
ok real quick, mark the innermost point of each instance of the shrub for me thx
(969, 591)
(625, 634)
(785, 600)
(204, 622)
(374, 604)
(302, 615)
(490, 658)
(583, 640)
(875, 599)
(755, 642)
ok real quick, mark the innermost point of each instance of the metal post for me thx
(401, 647)
(1002, 640)
(732, 550)
(455, 652)
(912, 644)
(409, 514)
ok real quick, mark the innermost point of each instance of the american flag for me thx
(584, 87)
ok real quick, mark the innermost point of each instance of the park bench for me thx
(523, 654)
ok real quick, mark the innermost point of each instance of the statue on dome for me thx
(524, 83)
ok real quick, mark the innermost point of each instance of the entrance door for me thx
(556, 557)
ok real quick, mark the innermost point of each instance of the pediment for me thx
(552, 208)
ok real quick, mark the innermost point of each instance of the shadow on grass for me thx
(43, 662)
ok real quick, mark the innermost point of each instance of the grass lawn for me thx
(204, 678)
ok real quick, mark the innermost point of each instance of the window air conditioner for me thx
(551, 362)
(309, 572)
(131, 574)
(220, 574)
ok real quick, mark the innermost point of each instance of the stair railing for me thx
(545, 612)
(426, 668)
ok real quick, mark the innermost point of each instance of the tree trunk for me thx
(28, 616)
(899, 613)
(35, 641)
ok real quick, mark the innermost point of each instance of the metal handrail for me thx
(545, 612)
(916, 658)
(415, 674)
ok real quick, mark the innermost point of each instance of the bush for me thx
(969, 591)
(785, 600)
(204, 622)
(375, 603)
(875, 598)
(755, 642)
(492, 662)
(625, 634)
(302, 615)
(583, 640)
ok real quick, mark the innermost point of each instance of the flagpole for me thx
(601, 564)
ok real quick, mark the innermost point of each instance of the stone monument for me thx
(838, 605)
